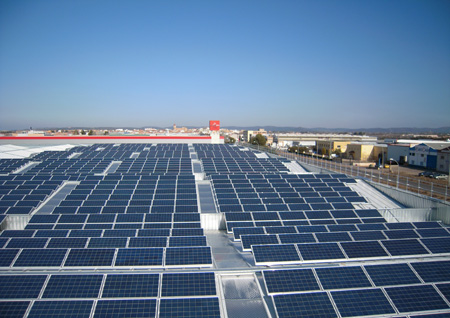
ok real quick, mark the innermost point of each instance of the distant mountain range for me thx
(399, 130)
(396, 130)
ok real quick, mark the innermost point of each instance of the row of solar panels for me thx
(102, 242)
(290, 235)
(10, 165)
(362, 290)
(116, 226)
(302, 215)
(104, 233)
(101, 286)
(115, 218)
(279, 254)
(106, 257)
(204, 307)
(333, 228)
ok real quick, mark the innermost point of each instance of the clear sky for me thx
(349, 64)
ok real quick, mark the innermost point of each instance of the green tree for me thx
(229, 140)
(83, 132)
(91, 132)
(106, 133)
(75, 132)
(323, 151)
(258, 140)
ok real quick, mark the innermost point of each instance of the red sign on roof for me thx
(214, 125)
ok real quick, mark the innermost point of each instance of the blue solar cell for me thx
(62, 308)
(153, 232)
(185, 256)
(320, 251)
(437, 245)
(399, 226)
(275, 253)
(312, 229)
(258, 239)
(433, 232)
(284, 281)
(342, 277)
(391, 274)
(136, 308)
(187, 232)
(155, 241)
(85, 233)
(333, 237)
(296, 238)
(140, 257)
(67, 242)
(427, 225)
(401, 234)
(364, 302)
(131, 285)
(431, 272)
(19, 242)
(73, 286)
(304, 305)
(416, 298)
(368, 235)
(188, 284)
(404, 247)
(40, 257)
(190, 308)
(90, 257)
(178, 241)
(363, 249)
(371, 227)
(19, 286)
(13, 309)
(105, 242)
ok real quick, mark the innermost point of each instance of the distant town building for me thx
(425, 154)
(327, 147)
(367, 152)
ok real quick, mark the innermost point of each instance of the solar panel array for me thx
(115, 231)
(364, 290)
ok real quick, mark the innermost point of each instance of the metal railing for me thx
(385, 176)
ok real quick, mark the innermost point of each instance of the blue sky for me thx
(350, 64)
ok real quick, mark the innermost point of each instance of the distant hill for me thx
(399, 130)
(395, 130)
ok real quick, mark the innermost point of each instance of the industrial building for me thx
(191, 229)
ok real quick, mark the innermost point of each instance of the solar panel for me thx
(333, 237)
(430, 272)
(135, 308)
(131, 285)
(342, 277)
(368, 235)
(139, 257)
(320, 251)
(416, 298)
(364, 302)
(90, 257)
(18, 286)
(178, 241)
(304, 305)
(13, 309)
(404, 247)
(61, 308)
(445, 290)
(190, 308)
(67, 242)
(275, 253)
(363, 249)
(285, 281)
(73, 286)
(187, 256)
(40, 257)
(155, 241)
(188, 284)
(18, 242)
(391, 274)
(437, 245)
